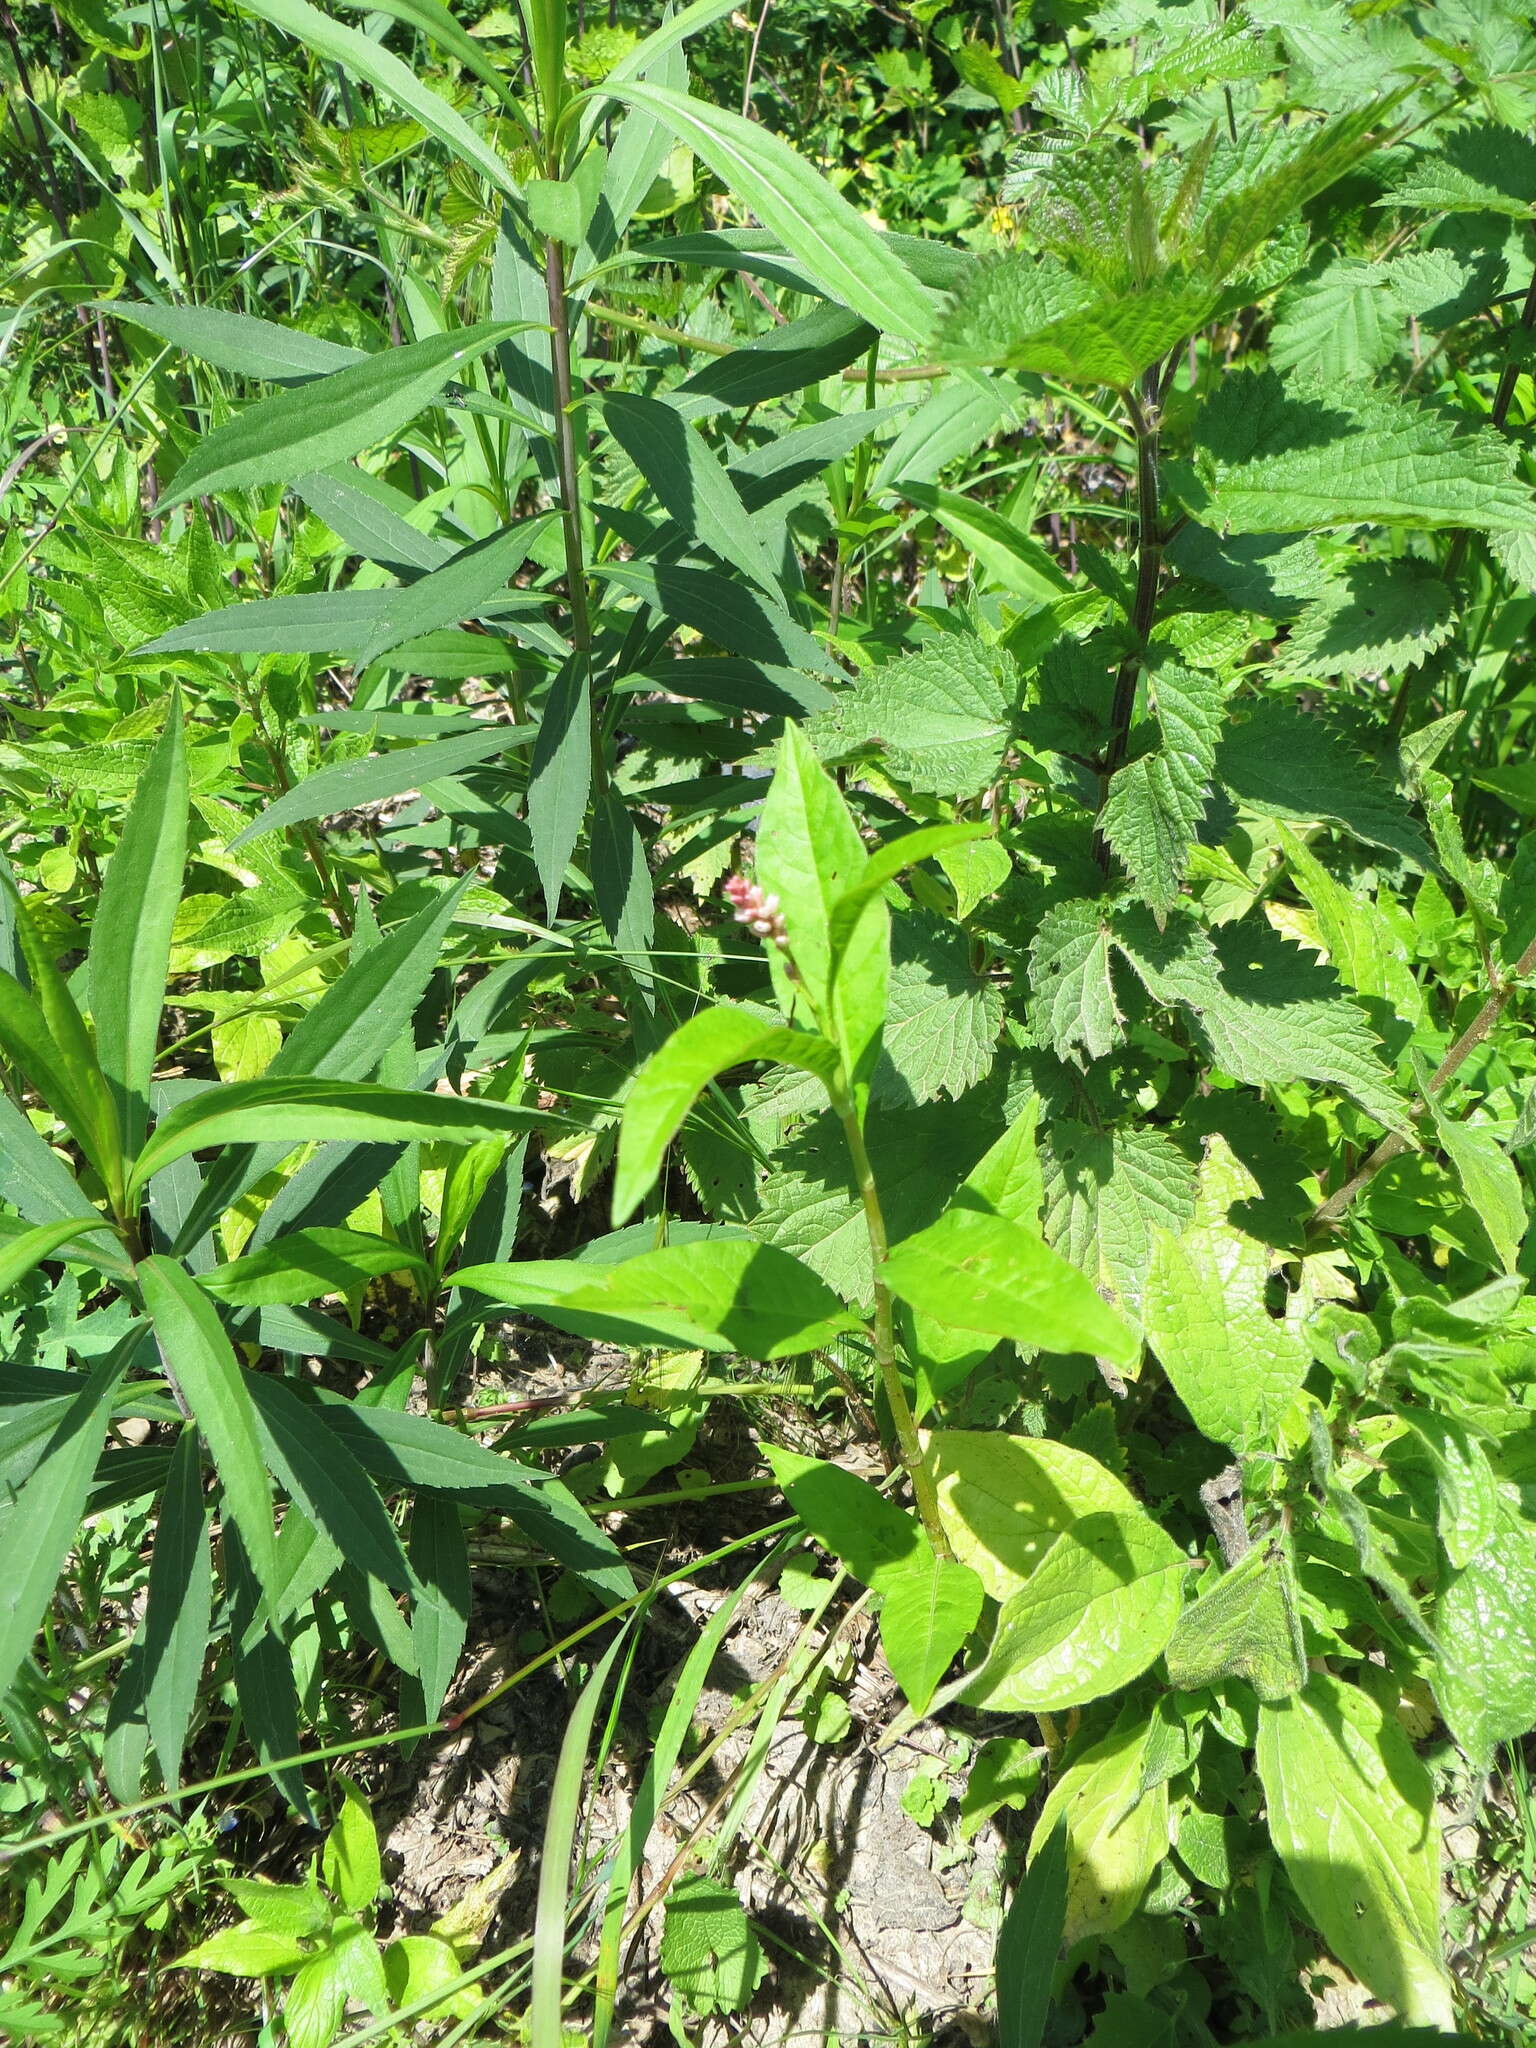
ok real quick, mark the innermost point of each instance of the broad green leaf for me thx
(689, 480)
(422, 1971)
(200, 1361)
(1029, 1942)
(20, 1255)
(1235, 1368)
(816, 224)
(1485, 1622)
(975, 1271)
(925, 1617)
(1269, 459)
(1152, 813)
(411, 1452)
(943, 1012)
(1007, 1179)
(246, 1951)
(1352, 1813)
(45, 1515)
(280, 1908)
(725, 1295)
(1467, 1510)
(348, 784)
(709, 1952)
(360, 57)
(1116, 1833)
(1369, 951)
(1005, 1500)
(1096, 1611)
(1074, 990)
(237, 342)
(1107, 1194)
(1283, 763)
(296, 1109)
(349, 1863)
(670, 1082)
(938, 720)
(131, 931)
(327, 1481)
(174, 1637)
(880, 1543)
(302, 1265)
(1481, 168)
(1270, 1012)
(1248, 1625)
(334, 416)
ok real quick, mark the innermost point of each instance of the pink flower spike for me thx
(759, 912)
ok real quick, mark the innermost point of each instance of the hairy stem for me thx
(1145, 418)
(1393, 1145)
(885, 1332)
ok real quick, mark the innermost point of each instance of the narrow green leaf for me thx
(1029, 1943)
(689, 481)
(332, 417)
(176, 1613)
(347, 784)
(1010, 557)
(621, 884)
(37, 1183)
(201, 1362)
(237, 342)
(816, 224)
(672, 1079)
(560, 778)
(264, 1679)
(302, 1265)
(130, 948)
(19, 1255)
(327, 1481)
(295, 1109)
(45, 1037)
(440, 1616)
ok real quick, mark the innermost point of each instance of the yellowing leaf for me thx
(1116, 1833)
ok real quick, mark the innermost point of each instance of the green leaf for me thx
(723, 1295)
(879, 1542)
(709, 1953)
(45, 1515)
(1096, 1611)
(560, 777)
(200, 1361)
(808, 852)
(131, 930)
(411, 1452)
(1069, 972)
(245, 1951)
(1028, 1944)
(1485, 1623)
(1352, 1813)
(236, 341)
(925, 1617)
(690, 482)
(621, 884)
(1283, 763)
(327, 1482)
(1489, 1179)
(332, 417)
(723, 611)
(21, 1255)
(1248, 1625)
(302, 1265)
(1107, 1194)
(1235, 1368)
(793, 357)
(974, 1271)
(818, 227)
(1011, 558)
(1005, 1501)
(670, 1082)
(1366, 949)
(938, 720)
(1481, 168)
(1270, 459)
(299, 1909)
(359, 56)
(349, 1863)
(1152, 813)
(951, 423)
(292, 1109)
(36, 1182)
(44, 1036)
(1269, 1012)
(943, 1016)
(174, 1637)
(1116, 1832)
(439, 1557)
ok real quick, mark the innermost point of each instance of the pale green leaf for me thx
(1247, 1625)
(1116, 1833)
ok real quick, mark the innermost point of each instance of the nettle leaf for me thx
(1352, 1813)
(1270, 458)
(1379, 618)
(942, 1017)
(1155, 803)
(1108, 1194)
(1235, 1368)
(1269, 1011)
(1248, 1625)
(1285, 763)
(937, 720)
(1069, 971)
(1350, 319)
(709, 1953)
(1481, 169)
(1031, 313)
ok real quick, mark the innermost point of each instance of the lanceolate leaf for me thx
(131, 931)
(689, 481)
(327, 1481)
(334, 416)
(174, 1638)
(815, 223)
(236, 341)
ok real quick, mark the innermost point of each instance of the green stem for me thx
(885, 1330)
(1149, 564)
(568, 470)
